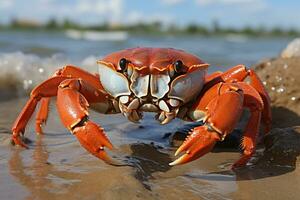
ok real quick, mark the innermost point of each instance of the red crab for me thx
(169, 82)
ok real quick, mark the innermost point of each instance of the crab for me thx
(166, 81)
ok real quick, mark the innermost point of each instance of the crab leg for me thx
(240, 73)
(266, 113)
(254, 102)
(75, 72)
(46, 89)
(72, 108)
(42, 115)
(249, 139)
(70, 72)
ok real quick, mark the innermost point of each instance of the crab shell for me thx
(150, 75)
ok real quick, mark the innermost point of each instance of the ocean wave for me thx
(20, 72)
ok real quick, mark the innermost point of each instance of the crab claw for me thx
(94, 140)
(197, 144)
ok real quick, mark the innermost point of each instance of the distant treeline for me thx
(152, 28)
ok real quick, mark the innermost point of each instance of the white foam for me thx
(31, 70)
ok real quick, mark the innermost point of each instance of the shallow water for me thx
(56, 167)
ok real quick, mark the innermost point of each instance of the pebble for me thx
(292, 50)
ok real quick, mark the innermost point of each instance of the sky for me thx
(229, 13)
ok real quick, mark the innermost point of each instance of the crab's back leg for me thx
(70, 72)
(72, 105)
(240, 73)
(222, 106)
(266, 113)
(42, 114)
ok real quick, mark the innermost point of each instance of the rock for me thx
(292, 50)
(281, 77)
(282, 147)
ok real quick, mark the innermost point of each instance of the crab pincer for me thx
(73, 108)
(93, 139)
(198, 143)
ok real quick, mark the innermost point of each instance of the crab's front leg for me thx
(220, 109)
(72, 107)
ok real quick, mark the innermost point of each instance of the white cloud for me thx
(227, 2)
(99, 6)
(111, 9)
(5, 4)
(84, 11)
(134, 17)
(244, 7)
(172, 2)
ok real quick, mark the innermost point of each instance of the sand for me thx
(56, 167)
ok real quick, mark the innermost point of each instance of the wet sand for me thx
(56, 167)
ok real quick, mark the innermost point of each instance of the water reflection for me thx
(147, 159)
(44, 180)
(33, 177)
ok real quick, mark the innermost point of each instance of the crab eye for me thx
(123, 65)
(179, 67)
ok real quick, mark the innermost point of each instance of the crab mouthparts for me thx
(133, 108)
(148, 93)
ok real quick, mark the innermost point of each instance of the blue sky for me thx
(235, 13)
